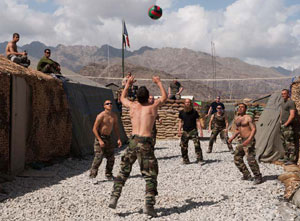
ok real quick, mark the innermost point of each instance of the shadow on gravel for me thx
(161, 148)
(184, 208)
(168, 158)
(190, 204)
(270, 177)
(209, 162)
(62, 169)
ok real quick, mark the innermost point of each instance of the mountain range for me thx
(193, 67)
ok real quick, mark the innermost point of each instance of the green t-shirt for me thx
(43, 62)
(285, 110)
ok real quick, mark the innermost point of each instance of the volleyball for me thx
(155, 12)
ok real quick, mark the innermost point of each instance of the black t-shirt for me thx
(214, 106)
(189, 119)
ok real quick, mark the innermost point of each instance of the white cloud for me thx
(258, 31)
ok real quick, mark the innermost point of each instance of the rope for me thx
(171, 79)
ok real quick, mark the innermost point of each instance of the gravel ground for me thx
(211, 191)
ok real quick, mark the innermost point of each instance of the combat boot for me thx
(257, 180)
(93, 173)
(149, 210)
(113, 202)
(186, 162)
(109, 177)
(247, 177)
(209, 150)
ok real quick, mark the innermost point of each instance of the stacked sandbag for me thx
(168, 113)
(291, 181)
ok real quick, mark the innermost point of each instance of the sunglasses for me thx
(48, 52)
(108, 104)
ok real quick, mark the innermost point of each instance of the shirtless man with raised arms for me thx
(246, 128)
(142, 114)
(105, 122)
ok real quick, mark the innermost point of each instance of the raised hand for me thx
(156, 79)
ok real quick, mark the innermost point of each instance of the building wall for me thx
(4, 120)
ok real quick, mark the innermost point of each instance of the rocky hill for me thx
(182, 63)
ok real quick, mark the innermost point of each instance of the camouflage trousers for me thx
(249, 151)
(139, 148)
(224, 136)
(288, 142)
(186, 136)
(108, 152)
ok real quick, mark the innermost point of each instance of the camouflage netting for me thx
(4, 120)
(50, 126)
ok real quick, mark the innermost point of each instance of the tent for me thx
(86, 98)
(268, 143)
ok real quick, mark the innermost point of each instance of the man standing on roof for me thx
(47, 65)
(105, 122)
(287, 128)
(220, 123)
(213, 106)
(174, 90)
(12, 53)
(246, 129)
(189, 122)
(140, 146)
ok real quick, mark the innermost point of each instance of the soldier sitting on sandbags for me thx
(47, 65)
(12, 53)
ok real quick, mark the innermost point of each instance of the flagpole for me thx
(123, 47)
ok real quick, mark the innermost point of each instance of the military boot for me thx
(246, 177)
(209, 150)
(149, 210)
(93, 173)
(113, 202)
(257, 180)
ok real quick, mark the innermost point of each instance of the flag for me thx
(125, 36)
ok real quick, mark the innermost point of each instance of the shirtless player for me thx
(246, 129)
(105, 122)
(140, 146)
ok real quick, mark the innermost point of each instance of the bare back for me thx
(143, 118)
(243, 124)
(10, 48)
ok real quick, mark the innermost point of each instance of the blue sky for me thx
(263, 32)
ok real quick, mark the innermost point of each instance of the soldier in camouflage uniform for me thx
(189, 121)
(143, 115)
(154, 130)
(246, 129)
(105, 122)
(220, 123)
(287, 118)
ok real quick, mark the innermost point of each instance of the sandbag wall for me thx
(49, 121)
(169, 115)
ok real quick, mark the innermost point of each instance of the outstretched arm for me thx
(124, 99)
(163, 92)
